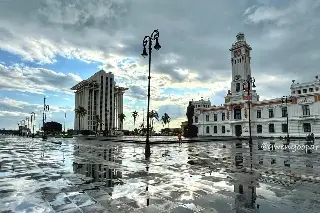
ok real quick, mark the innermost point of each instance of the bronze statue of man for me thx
(190, 113)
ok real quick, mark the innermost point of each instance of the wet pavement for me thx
(103, 176)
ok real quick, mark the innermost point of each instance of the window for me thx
(284, 111)
(207, 117)
(223, 116)
(215, 118)
(310, 89)
(215, 129)
(306, 110)
(271, 115)
(259, 128)
(240, 189)
(207, 130)
(299, 91)
(196, 119)
(258, 113)
(304, 90)
(223, 129)
(284, 128)
(237, 114)
(306, 127)
(271, 128)
(238, 87)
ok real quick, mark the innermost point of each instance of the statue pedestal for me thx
(190, 131)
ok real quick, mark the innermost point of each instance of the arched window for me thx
(208, 129)
(240, 189)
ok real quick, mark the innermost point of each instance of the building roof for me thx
(80, 85)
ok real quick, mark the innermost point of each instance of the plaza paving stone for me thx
(106, 176)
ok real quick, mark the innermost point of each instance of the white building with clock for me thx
(268, 117)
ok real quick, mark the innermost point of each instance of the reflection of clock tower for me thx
(240, 60)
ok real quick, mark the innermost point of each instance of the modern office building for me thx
(100, 96)
(268, 117)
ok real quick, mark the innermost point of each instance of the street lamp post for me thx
(19, 128)
(27, 119)
(45, 109)
(148, 41)
(284, 99)
(247, 85)
(33, 118)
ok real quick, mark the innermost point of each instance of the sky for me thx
(48, 46)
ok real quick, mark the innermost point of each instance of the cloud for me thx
(35, 80)
(195, 40)
(16, 111)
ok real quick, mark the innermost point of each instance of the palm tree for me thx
(98, 122)
(134, 115)
(153, 115)
(122, 118)
(165, 119)
(80, 112)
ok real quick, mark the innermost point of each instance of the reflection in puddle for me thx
(92, 176)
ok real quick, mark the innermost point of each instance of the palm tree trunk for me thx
(79, 125)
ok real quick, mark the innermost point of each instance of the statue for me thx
(190, 130)
(190, 113)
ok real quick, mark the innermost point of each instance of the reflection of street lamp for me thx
(148, 40)
(284, 99)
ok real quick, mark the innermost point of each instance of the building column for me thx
(75, 115)
(112, 106)
(93, 109)
(119, 110)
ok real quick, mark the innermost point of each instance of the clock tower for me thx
(240, 62)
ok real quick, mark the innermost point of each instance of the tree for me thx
(122, 117)
(153, 115)
(98, 122)
(165, 119)
(80, 112)
(134, 115)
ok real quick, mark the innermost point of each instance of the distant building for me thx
(268, 117)
(100, 96)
